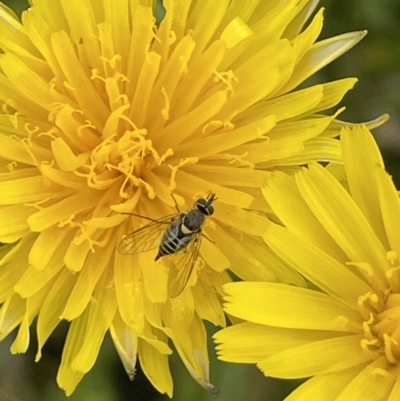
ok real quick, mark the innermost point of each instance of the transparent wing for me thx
(182, 265)
(147, 237)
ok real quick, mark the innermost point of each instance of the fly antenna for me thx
(211, 197)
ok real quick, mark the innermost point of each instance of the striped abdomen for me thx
(173, 240)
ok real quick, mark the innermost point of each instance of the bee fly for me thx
(178, 235)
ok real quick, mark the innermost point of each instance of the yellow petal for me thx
(333, 93)
(62, 210)
(156, 338)
(340, 216)
(32, 85)
(205, 19)
(13, 267)
(11, 314)
(322, 149)
(303, 41)
(9, 20)
(321, 54)
(304, 308)
(362, 161)
(30, 189)
(192, 348)
(155, 366)
(76, 255)
(317, 385)
(190, 122)
(271, 152)
(62, 178)
(251, 342)
(8, 277)
(68, 378)
(47, 246)
(230, 176)
(275, 18)
(126, 344)
(141, 97)
(84, 91)
(323, 270)
(255, 70)
(213, 256)
(100, 315)
(198, 76)
(64, 156)
(14, 224)
(86, 282)
(140, 41)
(305, 9)
(12, 148)
(217, 143)
(253, 257)
(374, 382)
(33, 280)
(178, 313)
(332, 357)
(129, 291)
(395, 393)
(286, 202)
(303, 129)
(207, 304)
(194, 184)
(153, 315)
(33, 306)
(155, 278)
(49, 316)
(35, 277)
(240, 219)
(390, 206)
(235, 32)
(293, 104)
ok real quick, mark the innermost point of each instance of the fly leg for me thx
(147, 218)
(176, 203)
(205, 236)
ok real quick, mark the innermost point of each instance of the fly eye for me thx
(205, 207)
(201, 203)
(209, 210)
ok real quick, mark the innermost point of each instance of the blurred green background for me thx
(376, 62)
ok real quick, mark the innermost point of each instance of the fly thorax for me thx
(192, 221)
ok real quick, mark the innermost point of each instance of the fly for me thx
(178, 235)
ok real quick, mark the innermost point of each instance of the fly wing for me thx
(182, 265)
(147, 237)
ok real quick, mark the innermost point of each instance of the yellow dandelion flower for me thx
(106, 112)
(345, 329)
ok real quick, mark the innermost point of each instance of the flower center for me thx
(388, 328)
(127, 153)
(381, 311)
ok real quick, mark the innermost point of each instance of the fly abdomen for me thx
(173, 240)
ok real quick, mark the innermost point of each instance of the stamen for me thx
(174, 170)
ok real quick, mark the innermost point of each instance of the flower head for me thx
(106, 112)
(345, 329)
